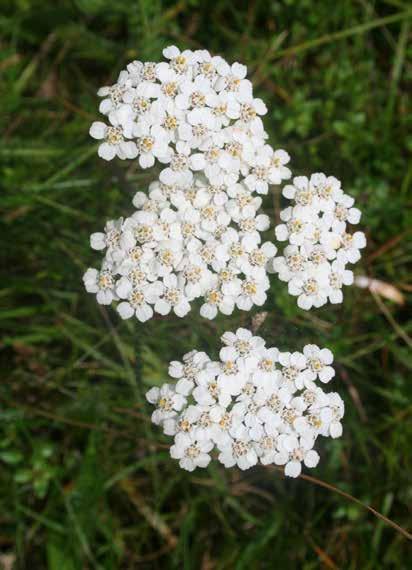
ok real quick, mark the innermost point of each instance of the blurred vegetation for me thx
(85, 480)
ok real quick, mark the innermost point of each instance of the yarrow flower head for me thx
(184, 243)
(314, 263)
(191, 112)
(198, 234)
(255, 404)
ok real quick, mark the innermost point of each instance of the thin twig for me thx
(351, 498)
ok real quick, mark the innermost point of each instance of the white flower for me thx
(268, 168)
(191, 452)
(343, 213)
(113, 97)
(253, 292)
(251, 226)
(293, 365)
(319, 361)
(351, 244)
(258, 259)
(151, 143)
(102, 283)
(302, 193)
(267, 375)
(173, 298)
(327, 188)
(178, 172)
(242, 341)
(238, 451)
(266, 448)
(246, 411)
(338, 277)
(216, 300)
(235, 371)
(242, 203)
(233, 80)
(293, 263)
(169, 83)
(198, 234)
(195, 94)
(167, 401)
(198, 128)
(193, 363)
(114, 140)
(278, 171)
(310, 288)
(138, 299)
(225, 107)
(180, 61)
(192, 98)
(207, 392)
(184, 422)
(274, 401)
(331, 416)
(109, 239)
(292, 451)
(208, 193)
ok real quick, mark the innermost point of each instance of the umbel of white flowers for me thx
(255, 404)
(193, 113)
(314, 263)
(181, 245)
(199, 233)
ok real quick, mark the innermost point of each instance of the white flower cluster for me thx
(192, 112)
(320, 247)
(198, 233)
(184, 243)
(254, 404)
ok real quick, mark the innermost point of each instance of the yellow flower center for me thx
(249, 287)
(105, 281)
(169, 88)
(146, 144)
(170, 123)
(114, 135)
(197, 99)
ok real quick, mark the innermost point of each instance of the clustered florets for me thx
(198, 234)
(193, 112)
(320, 247)
(255, 404)
(183, 244)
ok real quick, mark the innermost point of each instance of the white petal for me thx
(162, 307)
(97, 241)
(107, 151)
(125, 310)
(311, 458)
(293, 469)
(144, 313)
(197, 161)
(98, 130)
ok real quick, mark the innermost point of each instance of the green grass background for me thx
(85, 480)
